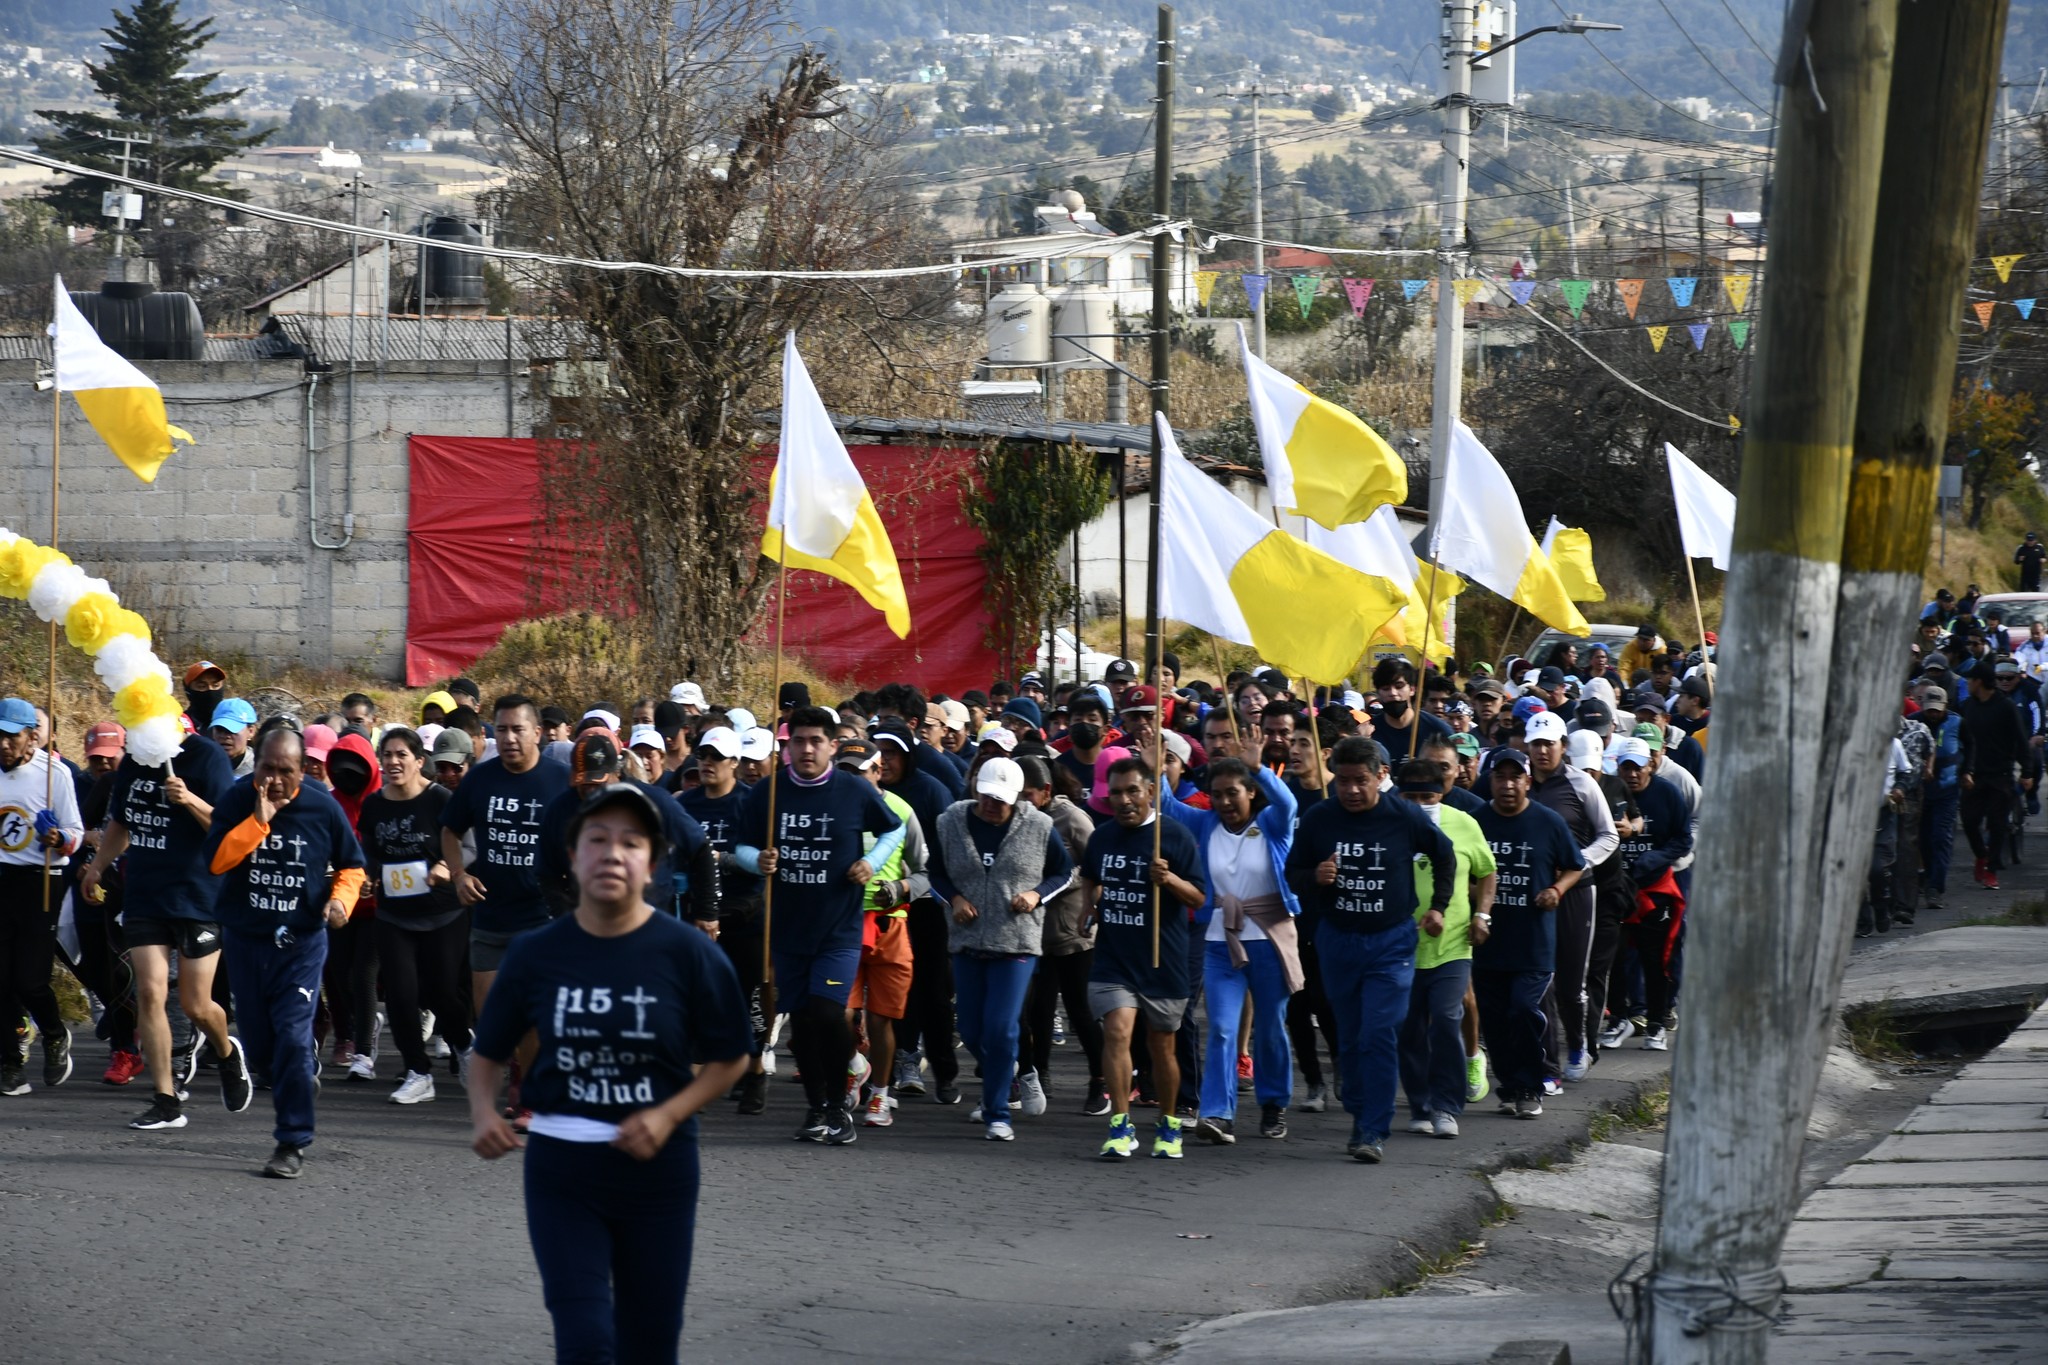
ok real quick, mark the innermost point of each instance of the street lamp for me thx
(1460, 54)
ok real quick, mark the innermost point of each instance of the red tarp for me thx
(475, 510)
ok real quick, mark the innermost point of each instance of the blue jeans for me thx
(1511, 1016)
(1272, 1058)
(1368, 978)
(612, 1237)
(989, 994)
(277, 991)
(1433, 1040)
(1938, 834)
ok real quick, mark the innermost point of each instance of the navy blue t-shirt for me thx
(505, 809)
(1530, 852)
(719, 817)
(950, 775)
(621, 1020)
(164, 871)
(818, 841)
(667, 880)
(1462, 798)
(1376, 851)
(1119, 860)
(1666, 836)
(283, 883)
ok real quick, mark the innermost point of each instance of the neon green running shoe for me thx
(1476, 1087)
(1166, 1138)
(1123, 1139)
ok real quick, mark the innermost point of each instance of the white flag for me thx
(1706, 511)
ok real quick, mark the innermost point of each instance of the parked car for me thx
(1057, 664)
(2020, 611)
(1599, 633)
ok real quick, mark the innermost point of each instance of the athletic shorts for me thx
(882, 984)
(487, 949)
(828, 974)
(193, 938)
(1161, 1016)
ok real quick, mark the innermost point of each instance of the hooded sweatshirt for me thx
(352, 802)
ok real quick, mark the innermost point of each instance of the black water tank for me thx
(454, 276)
(141, 324)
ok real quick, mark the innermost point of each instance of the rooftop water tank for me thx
(141, 324)
(455, 277)
(1083, 326)
(1016, 326)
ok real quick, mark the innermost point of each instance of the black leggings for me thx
(929, 1022)
(28, 948)
(420, 971)
(1062, 978)
(103, 966)
(822, 1044)
(739, 934)
(351, 980)
(1307, 1008)
(1614, 902)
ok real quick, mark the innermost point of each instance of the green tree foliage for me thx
(1989, 431)
(1027, 500)
(144, 78)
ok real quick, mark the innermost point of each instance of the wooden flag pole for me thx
(1223, 686)
(1507, 639)
(1158, 814)
(1699, 622)
(1422, 653)
(50, 709)
(774, 773)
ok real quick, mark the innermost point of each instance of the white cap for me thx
(740, 719)
(1582, 749)
(1544, 725)
(1632, 751)
(1176, 744)
(1002, 736)
(428, 733)
(610, 719)
(1000, 778)
(956, 714)
(757, 744)
(1601, 688)
(686, 694)
(724, 742)
(649, 736)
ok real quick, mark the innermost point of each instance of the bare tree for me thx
(687, 134)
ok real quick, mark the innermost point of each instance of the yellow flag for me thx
(1738, 290)
(1481, 534)
(1321, 461)
(123, 405)
(1467, 290)
(1205, 285)
(2003, 265)
(1571, 554)
(1657, 335)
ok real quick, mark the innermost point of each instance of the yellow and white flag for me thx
(1378, 546)
(1482, 535)
(1571, 554)
(1322, 462)
(819, 511)
(120, 401)
(1224, 569)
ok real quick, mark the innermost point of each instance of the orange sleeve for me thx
(347, 887)
(239, 843)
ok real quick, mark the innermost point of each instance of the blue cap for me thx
(1525, 708)
(16, 715)
(232, 714)
(1028, 709)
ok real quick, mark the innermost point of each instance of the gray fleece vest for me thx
(1019, 867)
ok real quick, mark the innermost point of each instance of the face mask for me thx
(199, 706)
(1085, 734)
(1435, 813)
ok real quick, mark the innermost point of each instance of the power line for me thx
(1645, 89)
(1711, 66)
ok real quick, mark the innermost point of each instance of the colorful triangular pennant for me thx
(1657, 335)
(1983, 309)
(2003, 265)
(1467, 290)
(1255, 287)
(1739, 329)
(2026, 307)
(1205, 285)
(1520, 291)
(1360, 294)
(1681, 287)
(1305, 287)
(1575, 293)
(1410, 288)
(1631, 292)
(1698, 332)
(1738, 290)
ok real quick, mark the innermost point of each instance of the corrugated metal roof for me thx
(431, 338)
(19, 347)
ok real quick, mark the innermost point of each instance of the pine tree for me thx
(144, 79)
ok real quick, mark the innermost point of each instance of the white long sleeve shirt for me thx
(23, 791)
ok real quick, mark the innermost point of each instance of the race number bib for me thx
(405, 879)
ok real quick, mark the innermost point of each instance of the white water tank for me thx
(1018, 326)
(1083, 312)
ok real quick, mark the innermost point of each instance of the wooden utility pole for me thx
(1162, 314)
(1779, 864)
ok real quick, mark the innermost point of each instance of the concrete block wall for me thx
(218, 554)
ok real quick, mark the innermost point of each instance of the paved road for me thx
(920, 1243)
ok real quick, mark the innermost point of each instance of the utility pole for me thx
(1448, 393)
(129, 142)
(1256, 94)
(1571, 227)
(1162, 315)
(1699, 183)
(1809, 538)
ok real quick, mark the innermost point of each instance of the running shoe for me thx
(185, 1062)
(122, 1068)
(753, 1093)
(1578, 1064)
(1421, 1124)
(839, 1129)
(908, 1080)
(1272, 1121)
(416, 1088)
(1166, 1138)
(1059, 1028)
(857, 1072)
(236, 1089)
(1217, 1132)
(1362, 1148)
(813, 1128)
(1000, 1131)
(1097, 1103)
(1317, 1101)
(946, 1094)
(1123, 1139)
(1446, 1126)
(1990, 879)
(1244, 1072)
(163, 1112)
(1551, 1087)
(437, 1047)
(1476, 1085)
(878, 1115)
(1507, 1107)
(344, 1052)
(364, 1067)
(286, 1163)
(13, 1080)
(1531, 1108)
(1656, 1040)
(1031, 1100)
(57, 1057)
(1617, 1033)
(462, 1066)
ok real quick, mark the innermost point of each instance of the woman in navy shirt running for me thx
(625, 1002)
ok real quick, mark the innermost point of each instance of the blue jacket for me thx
(1275, 820)
(1948, 753)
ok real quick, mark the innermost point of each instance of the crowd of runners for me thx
(597, 918)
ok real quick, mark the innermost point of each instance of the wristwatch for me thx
(1482, 918)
